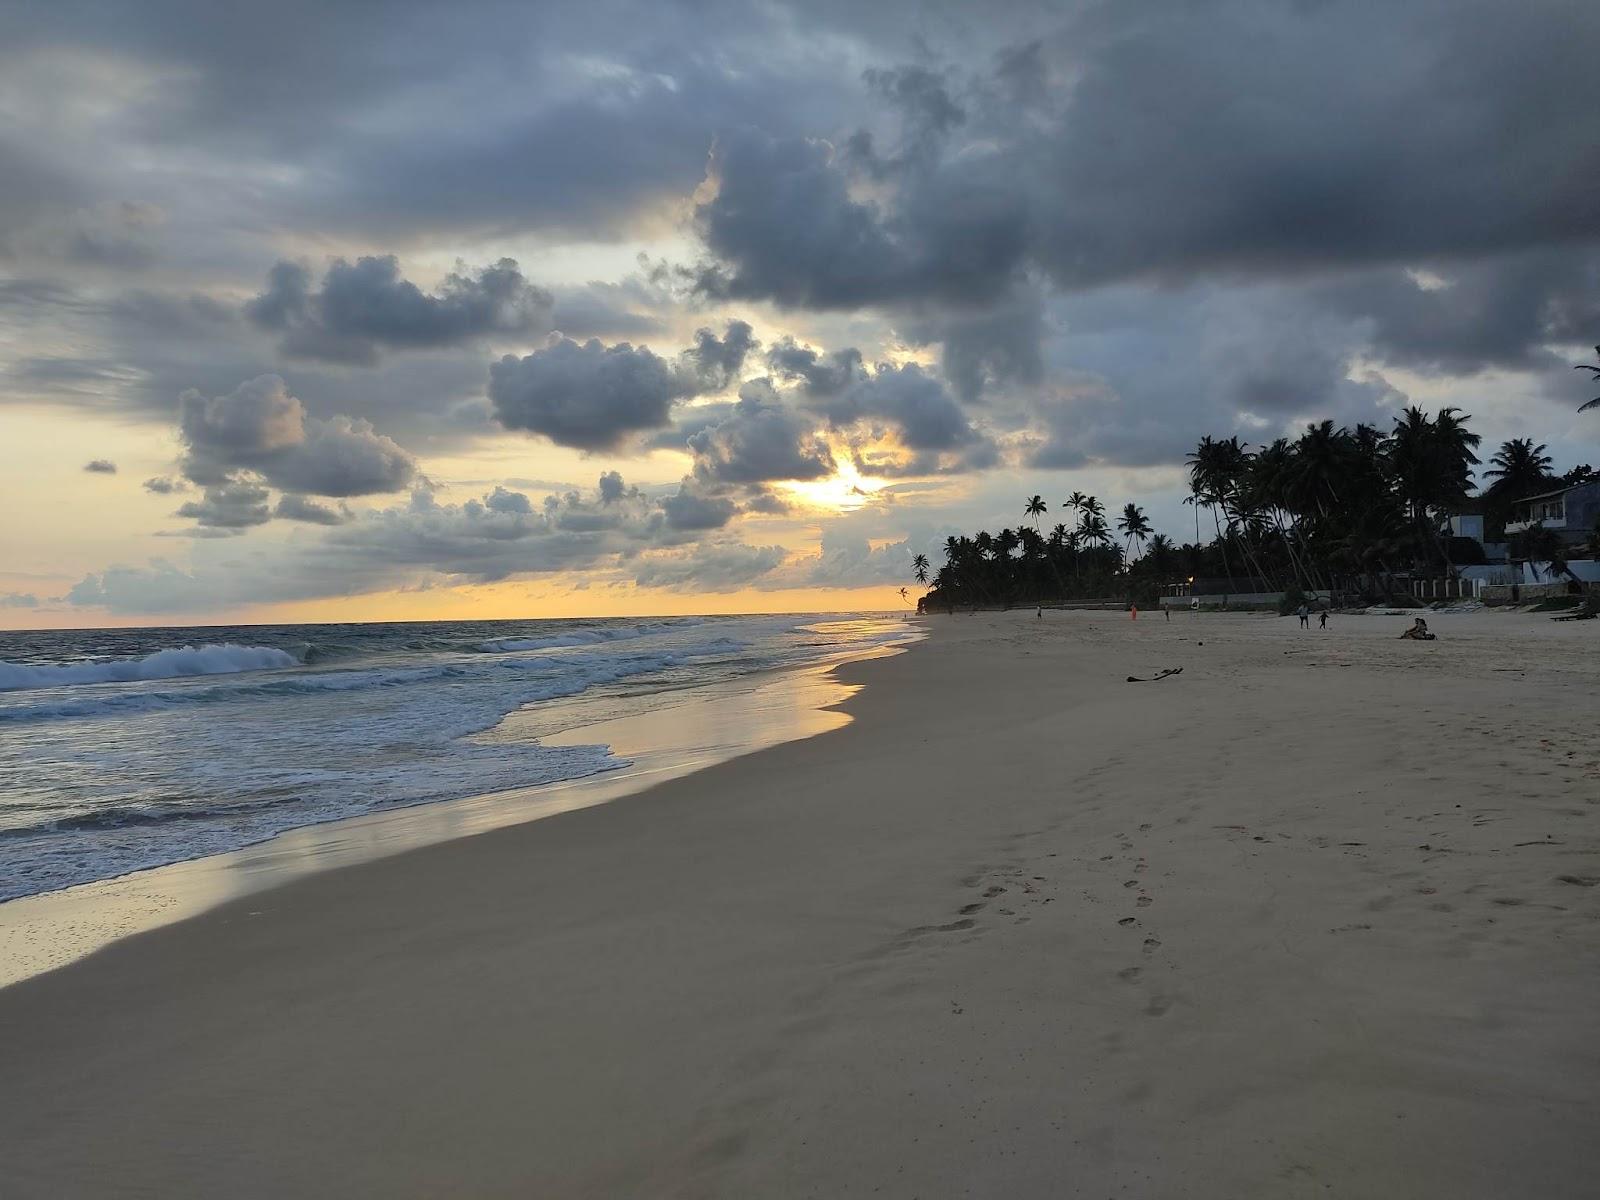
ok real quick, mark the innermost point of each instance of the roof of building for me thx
(1560, 491)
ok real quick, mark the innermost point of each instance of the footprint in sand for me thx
(1128, 921)
(990, 893)
(1158, 1006)
(1151, 945)
(1144, 902)
(975, 906)
(1129, 974)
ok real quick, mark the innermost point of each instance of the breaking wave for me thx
(176, 663)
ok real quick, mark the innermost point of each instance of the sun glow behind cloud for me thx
(844, 491)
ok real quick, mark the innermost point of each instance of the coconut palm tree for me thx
(1594, 372)
(1075, 503)
(1159, 554)
(1431, 461)
(919, 568)
(1519, 468)
(1538, 544)
(1134, 526)
(1036, 508)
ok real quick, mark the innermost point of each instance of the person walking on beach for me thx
(1305, 616)
(1322, 619)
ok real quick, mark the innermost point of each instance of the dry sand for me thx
(1317, 917)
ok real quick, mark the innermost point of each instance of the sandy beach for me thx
(1317, 917)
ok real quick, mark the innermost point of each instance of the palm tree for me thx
(1431, 462)
(1594, 371)
(1133, 525)
(1159, 553)
(919, 568)
(1093, 528)
(1519, 468)
(1541, 545)
(1036, 508)
(1074, 502)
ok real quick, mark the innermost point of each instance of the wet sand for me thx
(1317, 917)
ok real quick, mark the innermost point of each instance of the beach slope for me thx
(1316, 917)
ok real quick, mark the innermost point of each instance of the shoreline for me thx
(1297, 922)
(48, 930)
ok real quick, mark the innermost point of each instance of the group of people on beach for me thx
(1304, 613)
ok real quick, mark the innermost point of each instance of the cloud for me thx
(593, 397)
(823, 375)
(164, 485)
(716, 362)
(366, 305)
(714, 566)
(303, 508)
(230, 506)
(18, 600)
(587, 396)
(160, 587)
(916, 403)
(760, 441)
(100, 466)
(260, 427)
(691, 510)
(845, 560)
(1462, 318)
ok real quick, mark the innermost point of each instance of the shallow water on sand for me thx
(128, 749)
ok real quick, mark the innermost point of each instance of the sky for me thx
(376, 311)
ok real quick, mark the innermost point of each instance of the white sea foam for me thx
(114, 762)
(163, 664)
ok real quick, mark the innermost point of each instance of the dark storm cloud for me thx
(1173, 141)
(916, 403)
(761, 440)
(100, 466)
(584, 395)
(1498, 312)
(823, 374)
(987, 347)
(1136, 377)
(1259, 136)
(260, 427)
(365, 305)
(590, 396)
(785, 226)
(716, 361)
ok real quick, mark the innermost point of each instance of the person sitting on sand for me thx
(1418, 631)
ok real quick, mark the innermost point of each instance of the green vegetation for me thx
(1335, 510)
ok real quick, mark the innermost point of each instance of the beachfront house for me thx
(1572, 512)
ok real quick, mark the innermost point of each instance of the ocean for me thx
(123, 749)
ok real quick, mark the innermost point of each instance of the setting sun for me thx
(844, 491)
